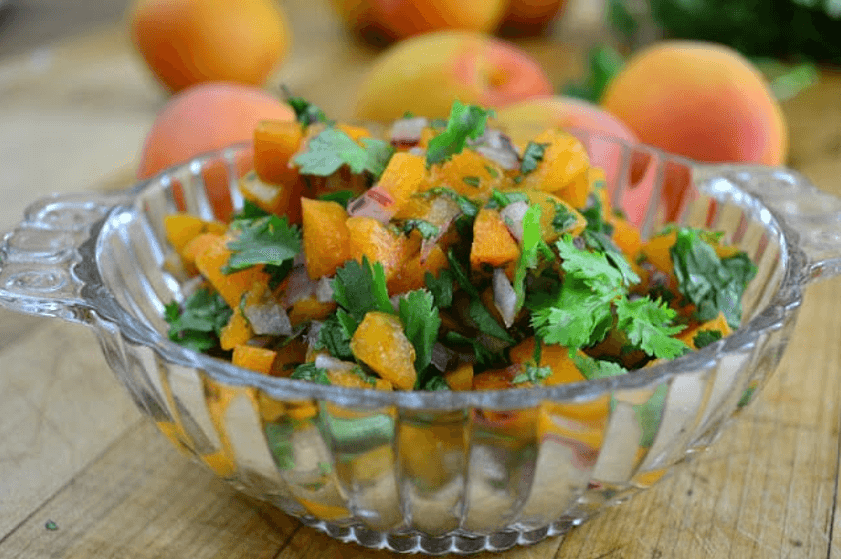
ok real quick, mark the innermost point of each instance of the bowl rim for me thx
(787, 297)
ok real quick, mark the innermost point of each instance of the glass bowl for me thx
(432, 472)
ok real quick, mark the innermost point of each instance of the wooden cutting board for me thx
(83, 475)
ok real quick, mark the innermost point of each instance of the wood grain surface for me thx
(83, 475)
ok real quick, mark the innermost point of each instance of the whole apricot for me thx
(425, 74)
(185, 42)
(384, 21)
(204, 118)
(700, 100)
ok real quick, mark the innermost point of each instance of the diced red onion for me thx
(442, 356)
(497, 147)
(395, 302)
(505, 298)
(374, 202)
(324, 290)
(299, 286)
(442, 214)
(312, 333)
(418, 151)
(512, 215)
(323, 361)
(407, 131)
(268, 318)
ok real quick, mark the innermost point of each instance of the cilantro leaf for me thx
(308, 371)
(440, 287)
(563, 218)
(533, 246)
(483, 355)
(460, 274)
(467, 206)
(593, 369)
(501, 199)
(332, 148)
(361, 288)
(533, 374)
(425, 228)
(576, 317)
(342, 197)
(198, 324)
(594, 215)
(532, 156)
(486, 322)
(267, 240)
(436, 383)
(647, 324)
(706, 337)
(711, 284)
(305, 112)
(421, 323)
(465, 122)
(471, 181)
(249, 211)
(334, 336)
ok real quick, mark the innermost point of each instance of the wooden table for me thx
(83, 475)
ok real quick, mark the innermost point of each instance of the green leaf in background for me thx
(621, 20)
(603, 63)
(787, 80)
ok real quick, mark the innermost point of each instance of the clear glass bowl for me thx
(433, 472)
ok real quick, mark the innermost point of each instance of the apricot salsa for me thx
(443, 257)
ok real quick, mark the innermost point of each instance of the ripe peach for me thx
(425, 74)
(185, 42)
(384, 21)
(529, 17)
(204, 118)
(701, 100)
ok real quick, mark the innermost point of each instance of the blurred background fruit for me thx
(425, 74)
(185, 42)
(206, 117)
(524, 18)
(385, 21)
(701, 100)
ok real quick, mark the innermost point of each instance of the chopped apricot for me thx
(257, 359)
(403, 177)
(213, 259)
(351, 379)
(182, 227)
(469, 173)
(460, 378)
(310, 308)
(492, 241)
(563, 169)
(370, 238)
(326, 238)
(381, 343)
(236, 332)
(275, 143)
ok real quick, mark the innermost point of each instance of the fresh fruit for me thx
(384, 21)
(701, 100)
(185, 42)
(444, 66)
(203, 118)
(529, 17)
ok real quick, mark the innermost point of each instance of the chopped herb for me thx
(468, 207)
(361, 288)
(465, 122)
(706, 337)
(438, 123)
(532, 156)
(407, 115)
(501, 199)
(332, 148)
(267, 240)
(50, 525)
(440, 287)
(471, 181)
(482, 354)
(436, 383)
(648, 325)
(533, 374)
(249, 211)
(492, 172)
(461, 275)
(563, 218)
(335, 338)
(342, 197)
(421, 322)
(650, 414)
(533, 247)
(279, 439)
(197, 326)
(593, 369)
(305, 112)
(425, 228)
(486, 322)
(308, 371)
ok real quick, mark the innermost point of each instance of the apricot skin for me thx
(700, 100)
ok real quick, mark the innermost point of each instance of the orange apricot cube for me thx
(381, 343)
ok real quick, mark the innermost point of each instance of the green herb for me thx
(342, 197)
(465, 122)
(622, 20)
(563, 218)
(51, 526)
(532, 156)
(713, 285)
(249, 211)
(603, 63)
(197, 326)
(361, 288)
(492, 172)
(648, 325)
(650, 414)
(308, 371)
(501, 199)
(421, 322)
(407, 115)
(460, 275)
(471, 181)
(533, 247)
(436, 383)
(533, 374)
(747, 396)
(706, 337)
(305, 112)
(425, 228)
(482, 354)
(468, 207)
(486, 322)
(267, 240)
(334, 336)
(279, 439)
(593, 369)
(440, 287)
(332, 148)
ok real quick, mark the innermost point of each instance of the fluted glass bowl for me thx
(433, 472)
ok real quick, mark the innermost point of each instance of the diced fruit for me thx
(404, 176)
(719, 324)
(460, 378)
(181, 228)
(309, 308)
(469, 173)
(381, 343)
(278, 199)
(370, 238)
(275, 142)
(351, 379)
(257, 359)
(326, 237)
(563, 169)
(412, 273)
(231, 287)
(492, 241)
(236, 332)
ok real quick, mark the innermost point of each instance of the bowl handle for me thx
(38, 257)
(813, 214)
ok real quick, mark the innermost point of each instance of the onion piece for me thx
(311, 337)
(395, 302)
(442, 356)
(268, 318)
(505, 298)
(512, 215)
(374, 202)
(442, 214)
(407, 131)
(324, 290)
(330, 363)
(299, 286)
(497, 147)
